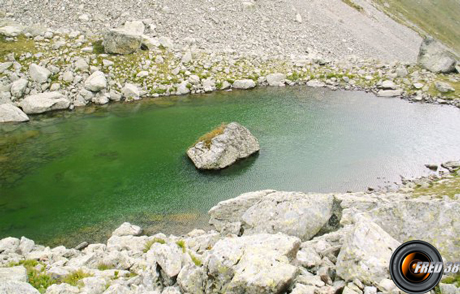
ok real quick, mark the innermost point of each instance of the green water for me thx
(74, 176)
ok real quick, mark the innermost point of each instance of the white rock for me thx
(11, 113)
(276, 79)
(244, 84)
(16, 273)
(93, 285)
(44, 102)
(38, 73)
(388, 85)
(166, 42)
(19, 87)
(253, 264)
(183, 89)
(168, 257)
(315, 84)
(187, 57)
(233, 143)
(81, 64)
(9, 244)
(26, 245)
(298, 18)
(96, 82)
(117, 289)
(127, 229)
(389, 93)
(134, 27)
(130, 92)
(191, 279)
(13, 287)
(62, 289)
(366, 253)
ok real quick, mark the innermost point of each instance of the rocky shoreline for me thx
(47, 70)
(262, 242)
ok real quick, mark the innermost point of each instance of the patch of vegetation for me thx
(195, 259)
(455, 280)
(436, 18)
(103, 266)
(73, 278)
(98, 48)
(207, 138)
(149, 244)
(353, 5)
(181, 244)
(440, 188)
(22, 45)
(36, 276)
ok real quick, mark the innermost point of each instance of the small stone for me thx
(244, 84)
(130, 92)
(19, 87)
(444, 87)
(127, 229)
(96, 82)
(38, 73)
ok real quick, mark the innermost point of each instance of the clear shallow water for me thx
(69, 177)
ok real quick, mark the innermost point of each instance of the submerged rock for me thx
(10, 113)
(223, 147)
(435, 57)
(44, 102)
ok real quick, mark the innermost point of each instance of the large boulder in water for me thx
(434, 57)
(223, 147)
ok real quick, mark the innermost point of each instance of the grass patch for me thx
(149, 244)
(98, 48)
(207, 138)
(103, 267)
(73, 278)
(36, 277)
(22, 45)
(455, 280)
(440, 188)
(353, 5)
(436, 18)
(181, 244)
(195, 259)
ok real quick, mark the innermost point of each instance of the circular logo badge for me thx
(416, 267)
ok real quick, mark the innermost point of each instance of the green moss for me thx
(353, 5)
(181, 244)
(452, 280)
(149, 244)
(195, 259)
(22, 45)
(103, 267)
(98, 48)
(207, 138)
(73, 278)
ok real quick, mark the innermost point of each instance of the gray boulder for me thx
(366, 253)
(292, 213)
(254, 264)
(127, 229)
(11, 113)
(244, 84)
(44, 102)
(38, 73)
(120, 41)
(444, 87)
(18, 88)
(14, 287)
(96, 82)
(276, 79)
(169, 257)
(434, 57)
(16, 273)
(230, 143)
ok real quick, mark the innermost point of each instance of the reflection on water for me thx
(74, 176)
